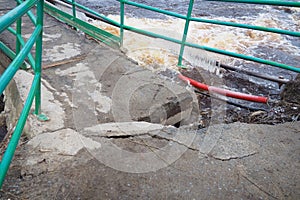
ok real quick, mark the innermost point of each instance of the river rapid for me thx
(280, 48)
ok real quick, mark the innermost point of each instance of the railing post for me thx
(38, 56)
(122, 8)
(19, 34)
(74, 9)
(186, 28)
(35, 90)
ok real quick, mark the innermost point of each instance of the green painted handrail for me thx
(15, 14)
(10, 150)
(108, 20)
(16, 63)
(218, 22)
(215, 50)
(185, 32)
(247, 26)
(188, 18)
(166, 12)
(20, 42)
(22, 51)
(7, 51)
(87, 28)
(29, 13)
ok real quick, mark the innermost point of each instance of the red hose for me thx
(224, 92)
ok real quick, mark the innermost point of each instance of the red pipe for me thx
(224, 92)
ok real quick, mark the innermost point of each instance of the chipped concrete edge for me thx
(15, 97)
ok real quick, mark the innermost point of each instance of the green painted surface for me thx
(22, 52)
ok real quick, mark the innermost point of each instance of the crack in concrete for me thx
(143, 134)
(232, 158)
(169, 139)
(59, 129)
(180, 143)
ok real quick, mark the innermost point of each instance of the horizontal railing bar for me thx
(10, 17)
(223, 52)
(151, 34)
(264, 2)
(110, 21)
(11, 30)
(214, 50)
(247, 26)
(89, 29)
(166, 12)
(7, 51)
(259, 28)
(245, 57)
(30, 57)
(100, 17)
(97, 14)
(11, 54)
(21, 40)
(10, 150)
(19, 59)
(238, 25)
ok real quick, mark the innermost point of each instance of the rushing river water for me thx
(280, 48)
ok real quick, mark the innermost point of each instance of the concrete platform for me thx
(109, 134)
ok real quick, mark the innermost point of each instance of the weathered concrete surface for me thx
(98, 84)
(267, 169)
(123, 129)
(87, 156)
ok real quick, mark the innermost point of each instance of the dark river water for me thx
(201, 8)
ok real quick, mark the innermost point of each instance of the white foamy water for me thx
(159, 54)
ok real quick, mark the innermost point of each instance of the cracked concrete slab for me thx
(148, 98)
(120, 91)
(65, 141)
(122, 129)
(259, 175)
(61, 52)
(224, 143)
(231, 148)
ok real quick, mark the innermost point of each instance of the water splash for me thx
(159, 54)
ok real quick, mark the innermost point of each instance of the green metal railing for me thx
(89, 29)
(23, 51)
(75, 6)
(23, 48)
